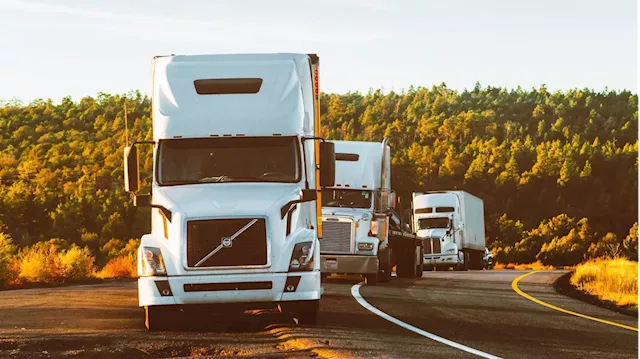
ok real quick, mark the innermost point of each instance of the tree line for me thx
(557, 171)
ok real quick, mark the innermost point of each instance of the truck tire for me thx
(420, 265)
(307, 312)
(371, 278)
(465, 265)
(159, 317)
(384, 258)
(476, 261)
(406, 265)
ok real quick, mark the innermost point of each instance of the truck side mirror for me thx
(307, 195)
(327, 164)
(131, 172)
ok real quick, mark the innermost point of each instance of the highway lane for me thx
(478, 309)
(481, 310)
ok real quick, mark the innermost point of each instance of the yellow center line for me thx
(514, 285)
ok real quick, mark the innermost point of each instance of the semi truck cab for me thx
(360, 235)
(451, 224)
(238, 168)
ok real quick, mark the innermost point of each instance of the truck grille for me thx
(248, 248)
(336, 236)
(432, 246)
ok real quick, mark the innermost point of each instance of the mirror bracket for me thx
(144, 201)
(306, 195)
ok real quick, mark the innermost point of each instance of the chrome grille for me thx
(432, 246)
(336, 236)
(248, 248)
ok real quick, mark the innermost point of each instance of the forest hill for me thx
(558, 172)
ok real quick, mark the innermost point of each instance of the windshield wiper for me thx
(225, 178)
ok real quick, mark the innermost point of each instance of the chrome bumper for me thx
(348, 264)
(440, 259)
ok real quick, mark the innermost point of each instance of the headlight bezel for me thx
(152, 262)
(304, 262)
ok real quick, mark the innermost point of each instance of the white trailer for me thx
(361, 236)
(452, 225)
(235, 199)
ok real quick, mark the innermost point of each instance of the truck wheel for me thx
(159, 317)
(476, 260)
(307, 312)
(371, 278)
(406, 266)
(467, 259)
(384, 274)
(420, 265)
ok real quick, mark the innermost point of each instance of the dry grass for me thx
(45, 263)
(120, 267)
(614, 280)
(531, 266)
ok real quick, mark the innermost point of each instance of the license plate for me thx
(331, 265)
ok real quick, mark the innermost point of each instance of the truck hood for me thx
(230, 199)
(432, 233)
(355, 213)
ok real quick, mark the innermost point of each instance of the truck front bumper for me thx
(440, 259)
(229, 288)
(348, 264)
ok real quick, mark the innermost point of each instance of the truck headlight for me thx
(450, 251)
(365, 246)
(302, 257)
(152, 262)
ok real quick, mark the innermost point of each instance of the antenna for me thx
(126, 124)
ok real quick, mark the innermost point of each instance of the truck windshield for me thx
(430, 223)
(346, 198)
(237, 159)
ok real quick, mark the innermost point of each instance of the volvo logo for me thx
(227, 242)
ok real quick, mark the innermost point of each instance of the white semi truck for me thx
(452, 225)
(235, 198)
(362, 234)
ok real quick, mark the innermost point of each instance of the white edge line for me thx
(355, 292)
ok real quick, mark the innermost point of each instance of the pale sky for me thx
(56, 48)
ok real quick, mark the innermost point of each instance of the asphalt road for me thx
(476, 310)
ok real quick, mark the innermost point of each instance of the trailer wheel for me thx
(159, 317)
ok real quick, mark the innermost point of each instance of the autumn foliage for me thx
(557, 171)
